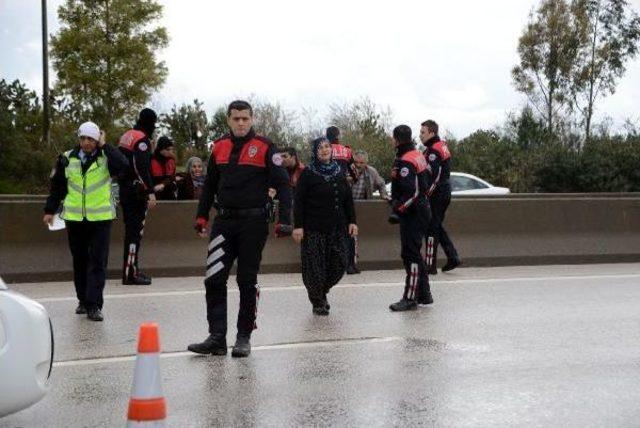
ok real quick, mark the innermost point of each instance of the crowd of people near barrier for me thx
(243, 175)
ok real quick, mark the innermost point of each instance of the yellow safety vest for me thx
(89, 194)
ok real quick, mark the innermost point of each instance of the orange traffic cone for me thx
(147, 407)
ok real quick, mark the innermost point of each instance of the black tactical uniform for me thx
(410, 179)
(438, 157)
(135, 186)
(239, 174)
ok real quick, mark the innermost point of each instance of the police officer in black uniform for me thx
(438, 156)
(343, 155)
(410, 179)
(136, 192)
(241, 169)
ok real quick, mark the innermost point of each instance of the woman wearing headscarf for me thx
(191, 181)
(323, 212)
(163, 169)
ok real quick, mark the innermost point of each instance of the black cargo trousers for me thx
(241, 235)
(436, 233)
(413, 225)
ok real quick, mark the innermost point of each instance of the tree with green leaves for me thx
(365, 125)
(611, 36)
(548, 50)
(105, 57)
(187, 126)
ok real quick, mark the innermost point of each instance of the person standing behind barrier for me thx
(136, 193)
(163, 169)
(439, 157)
(323, 216)
(368, 181)
(292, 164)
(81, 181)
(242, 167)
(410, 178)
(192, 180)
(341, 154)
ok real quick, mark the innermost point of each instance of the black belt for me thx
(241, 212)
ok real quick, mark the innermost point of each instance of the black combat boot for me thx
(452, 264)
(140, 279)
(94, 314)
(425, 299)
(403, 305)
(215, 344)
(242, 348)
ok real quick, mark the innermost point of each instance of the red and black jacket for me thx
(136, 147)
(344, 156)
(438, 156)
(163, 171)
(410, 179)
(239, 174)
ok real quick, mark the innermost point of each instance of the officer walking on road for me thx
(241, 169)
(410, 179)
(136, 193)
(81, 181)
(438, 156)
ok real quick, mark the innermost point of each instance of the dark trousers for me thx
(412, 229)
(353, 251)
(89, 245)
(134, 213)
(242, 239)
(324, 261)
(436, 233)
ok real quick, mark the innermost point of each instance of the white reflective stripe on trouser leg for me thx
(429, 251)
(215, 256)
(255, 321)
(215, 242)
(130, 259)
(413, 282)
(214, 269)
(146, 381)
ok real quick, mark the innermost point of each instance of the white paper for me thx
(57, 223)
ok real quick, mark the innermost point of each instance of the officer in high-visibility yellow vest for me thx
(81, 184)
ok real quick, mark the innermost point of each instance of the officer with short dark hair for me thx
(410, 179)
(81, 182)
(241, 169)
(438, 156)
(136, 192)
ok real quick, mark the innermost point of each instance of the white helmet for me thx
(89, 129)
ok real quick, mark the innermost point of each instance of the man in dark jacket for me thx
(81, 182)
(410, 179)
(163, 169)
(438, 155)
(241, 169)
(136, 193)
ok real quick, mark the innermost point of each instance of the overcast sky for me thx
(449, 61)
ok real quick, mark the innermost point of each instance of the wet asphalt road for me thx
(528, 346)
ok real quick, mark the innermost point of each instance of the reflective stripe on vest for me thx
(89, 194)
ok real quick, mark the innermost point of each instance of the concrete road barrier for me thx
(521, 229)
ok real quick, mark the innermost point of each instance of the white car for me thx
(26, 351)
(466, 184)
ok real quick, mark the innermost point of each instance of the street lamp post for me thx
(45, 75)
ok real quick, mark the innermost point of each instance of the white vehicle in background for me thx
(466, 184)
(26, 351)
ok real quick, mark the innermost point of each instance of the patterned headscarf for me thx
(326, 170)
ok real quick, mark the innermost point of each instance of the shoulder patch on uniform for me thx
(432, 157)
(143, 147)
(276, 159)
(404, 171)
